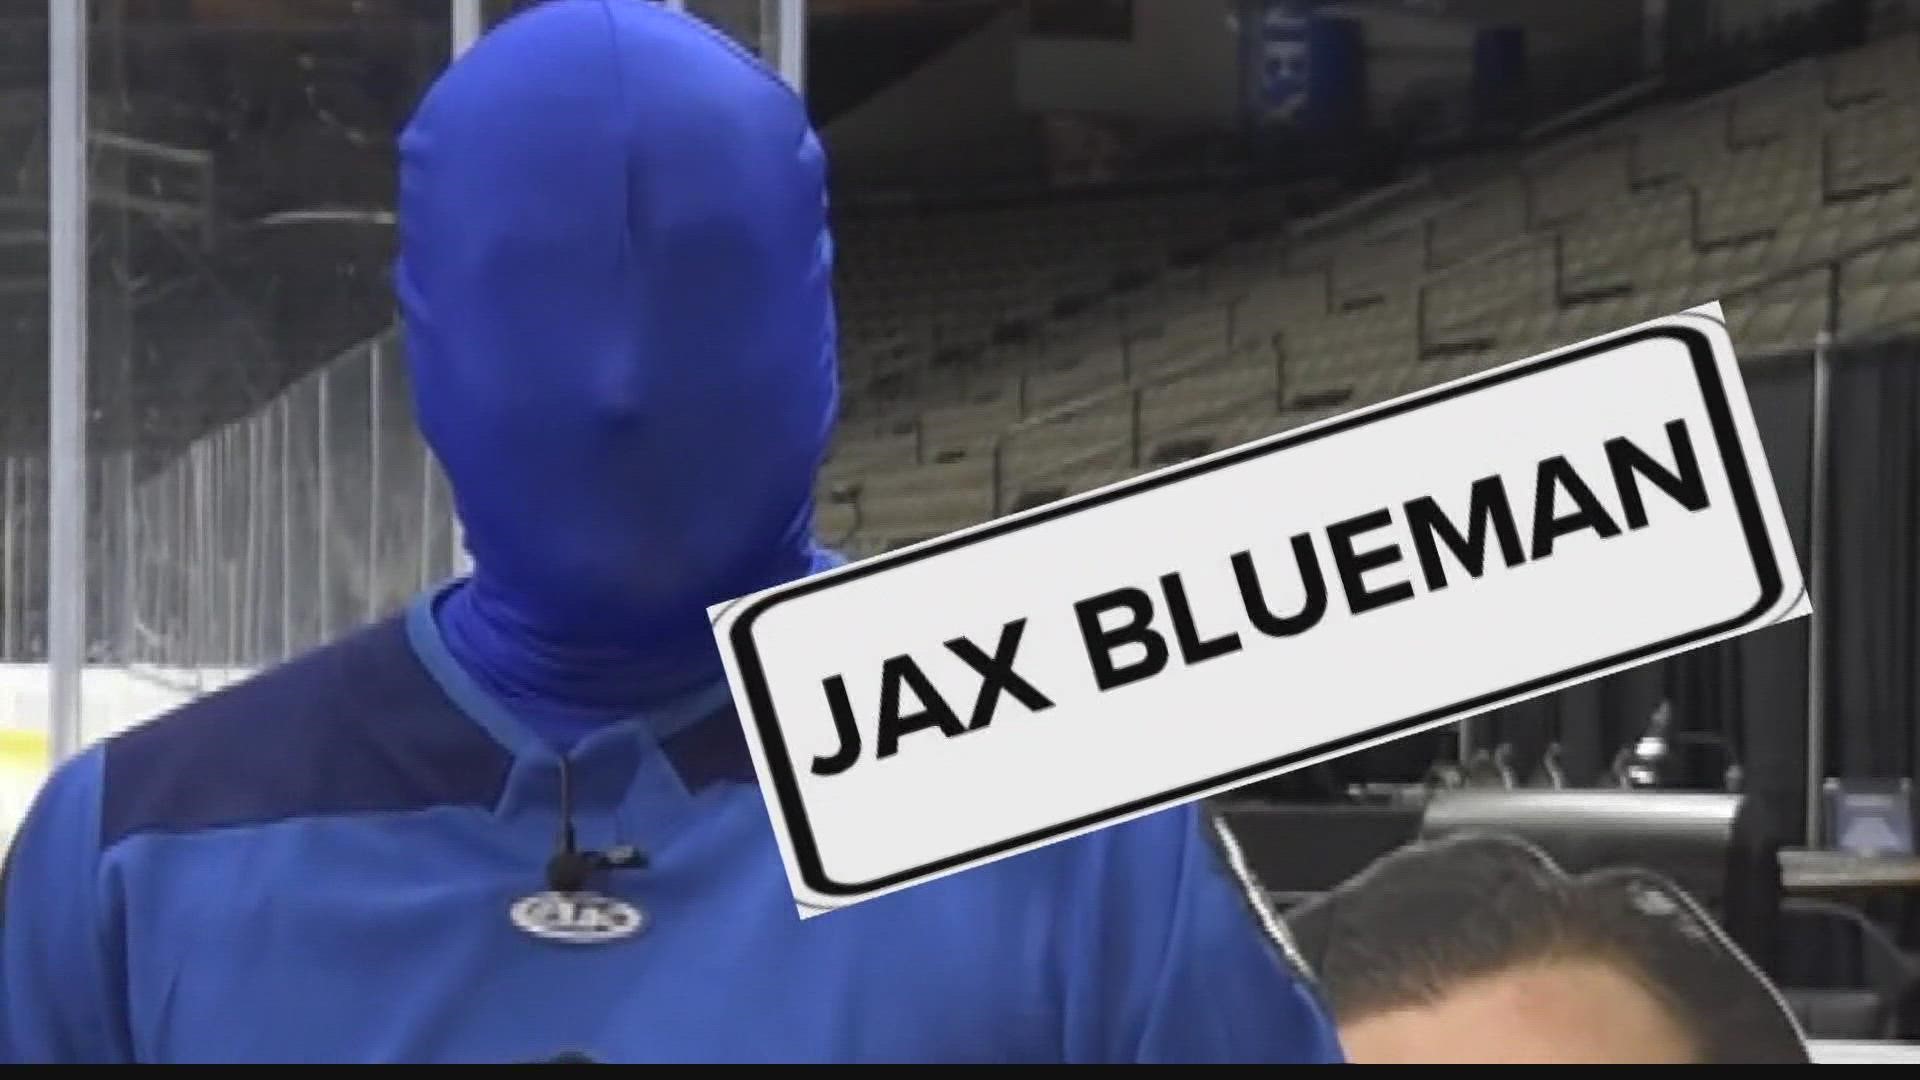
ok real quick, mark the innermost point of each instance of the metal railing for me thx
(319, 513)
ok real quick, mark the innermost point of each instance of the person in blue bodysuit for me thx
(614, 274)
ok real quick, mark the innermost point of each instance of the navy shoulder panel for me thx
(353, 727)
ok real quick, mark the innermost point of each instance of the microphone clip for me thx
(569, 871)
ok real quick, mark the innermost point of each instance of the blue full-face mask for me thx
(615, 278)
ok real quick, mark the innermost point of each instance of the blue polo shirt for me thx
(318, 866)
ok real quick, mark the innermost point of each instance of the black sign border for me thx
(779, 760)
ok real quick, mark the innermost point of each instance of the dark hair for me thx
(1427, 918)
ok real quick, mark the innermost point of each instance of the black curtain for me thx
(1872, 586)
(1752, 691)
(1870, 592)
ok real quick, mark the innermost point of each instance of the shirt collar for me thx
(699, 734)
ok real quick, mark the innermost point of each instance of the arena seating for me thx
(998, 359)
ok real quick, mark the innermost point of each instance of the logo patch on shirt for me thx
(578, 918)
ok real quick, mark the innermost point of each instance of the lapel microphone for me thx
(570, 869)
(568, 912)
